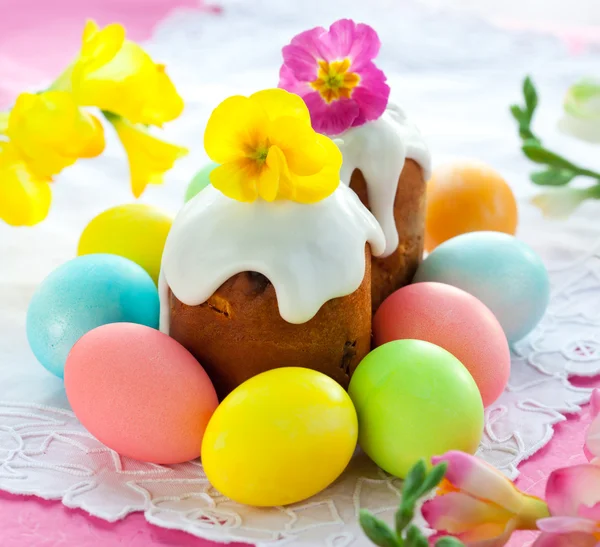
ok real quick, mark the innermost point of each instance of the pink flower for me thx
(573, 496)
(478, 505)
(333, 71)
(592, 441)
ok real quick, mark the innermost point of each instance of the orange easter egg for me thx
(467, 196)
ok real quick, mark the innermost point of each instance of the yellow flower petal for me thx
(118, 76)
(279, 103)
(302, 148)
(313, 188)
(24, 198)
(273, 171)
(237, 179)
(51, 132)
(4, 122)
(149, 157)
(235, 129)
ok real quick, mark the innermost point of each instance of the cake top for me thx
(266, 148)
(333, 71)
(310, 253)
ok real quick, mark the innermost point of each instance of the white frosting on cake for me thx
(379, 149)
(310, 253)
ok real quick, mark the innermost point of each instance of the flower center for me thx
(260, 154)
(333, 81)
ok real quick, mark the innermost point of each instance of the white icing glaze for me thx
(311, 253)
(379, 149)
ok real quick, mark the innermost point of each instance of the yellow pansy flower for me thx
(4, 122)
(149, 157)
(117, 75)
(51, 132)
(267, 147)
(24, 197)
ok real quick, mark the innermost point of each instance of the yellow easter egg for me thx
(134, 231)
(279, 438)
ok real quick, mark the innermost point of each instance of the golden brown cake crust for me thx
(238, 333)
(397, 270)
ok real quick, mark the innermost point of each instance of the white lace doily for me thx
(456, 78)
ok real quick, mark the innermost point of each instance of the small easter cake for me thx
(385, 160)
(269, 266)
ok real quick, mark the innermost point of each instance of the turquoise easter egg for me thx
(501, 271)
(82, 294)
(200, 181)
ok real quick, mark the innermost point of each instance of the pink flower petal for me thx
(565, 525)
(372, 94)
(346, 39)
(481, 480)
(458, 512)
(303, 53)
(571, 488)
(574, 539)
(333, 118)
(290, 83)
(592, 439)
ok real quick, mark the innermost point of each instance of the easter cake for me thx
(269, 266)
(385, 160)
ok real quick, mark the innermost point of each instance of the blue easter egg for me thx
(82, 294)
(501, 271)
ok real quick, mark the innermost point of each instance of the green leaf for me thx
(404, 515)
(377, 530)
(518, 113)
(449, 541)
(434, 478)
(414, 480)
(538, 154)
(415, 538)
(553, 177)
(531, 97)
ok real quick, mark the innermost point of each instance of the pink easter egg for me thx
(140, 392)
(454, 320)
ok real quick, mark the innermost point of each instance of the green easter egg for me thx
(414, 400)
(200, 181)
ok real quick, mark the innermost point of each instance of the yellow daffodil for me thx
(266, 147)
(24, 197)
(117, 75)
(149, 158)
(51, 132)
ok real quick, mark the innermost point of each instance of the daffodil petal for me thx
(32, 127)
(303, 149)
(279, 103)
(149, 157)
(24, 198)
(237, 180)
(236, 128)
(571, 489)
(475, 477)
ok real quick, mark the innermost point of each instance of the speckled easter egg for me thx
(280, 437)
(414, 400)
(135, 231)
(83, 294)
(140, 393)
(454, 320)
(467, 196)
(501, 271)
(200, 181)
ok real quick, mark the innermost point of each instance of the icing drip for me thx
(310, 253)
(379, 149)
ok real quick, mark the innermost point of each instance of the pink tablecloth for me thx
(27, 28)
